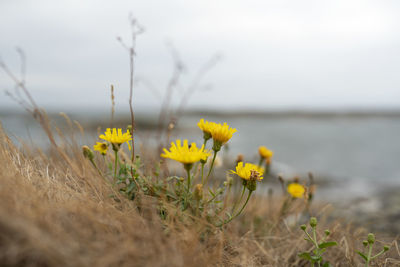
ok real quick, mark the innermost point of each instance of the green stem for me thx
(188, 173)
(202, 172)
(316, 244)
(261, 161)
(315, 238)
(237, 214)
(211, 167)
(115, 166)
(369, 255)
(377, 255)
(205, 143)
(239, 200)
(97, 168)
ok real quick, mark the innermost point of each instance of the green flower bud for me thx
(303, 227)
(217, 146)
(188, 166)
(251, 185)
(87, 152)
(365, 243)
(206, 136)
(371, 238)
(313, 222)
(385, 248)
(327, 232)
(203, 161)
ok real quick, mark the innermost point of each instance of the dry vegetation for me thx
(56, 210)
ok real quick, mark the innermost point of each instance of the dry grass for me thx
(55, 212)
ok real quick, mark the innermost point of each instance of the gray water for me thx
(362, 151)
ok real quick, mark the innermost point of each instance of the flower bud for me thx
(206, 135)
(371, 238)
(251, 185)
(87, 152)
(217, 145)
(303, 227)
(313, 222)
(385, 248)
(327, 232)
(198, 192)
(130, 129)
(204, 161)
(365, 243)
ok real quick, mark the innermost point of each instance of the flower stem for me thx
(211, 167)
(261, 161)
(188, 174)
(369, 255)
(202, 172)
(240, 211)
(239, 200)
(115, 166)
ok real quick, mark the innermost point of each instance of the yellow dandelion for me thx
(101, 147)
(184, 153)
(206, 126)
(116, 137)
(265, 153)
(247, 170)
(296, 190)
(220, 134)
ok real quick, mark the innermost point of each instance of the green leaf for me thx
(307, 239)
(316, 258)
(327, 264)
(211, 192)
(305, 255)
(362, 255)
(327, 244)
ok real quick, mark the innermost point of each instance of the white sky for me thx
(276, 54)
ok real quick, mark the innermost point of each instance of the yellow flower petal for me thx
(184, 153)
(244, 170)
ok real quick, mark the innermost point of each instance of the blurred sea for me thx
(355, 153)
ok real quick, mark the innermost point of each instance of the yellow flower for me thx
(245, 171)
(221, 134)
(206, 126)
(116, 137)
(296, 190)
(184, 153)
(101, 147)
(265, 152)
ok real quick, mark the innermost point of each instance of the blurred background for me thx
(315, 81)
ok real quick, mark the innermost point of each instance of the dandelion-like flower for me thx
(116, 137)
(101, 147)
(247, 171)
(296, 190)
(265, 153)
(184, 153)
(206, 127)
(221, 133)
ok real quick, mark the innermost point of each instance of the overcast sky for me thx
(275, 54)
